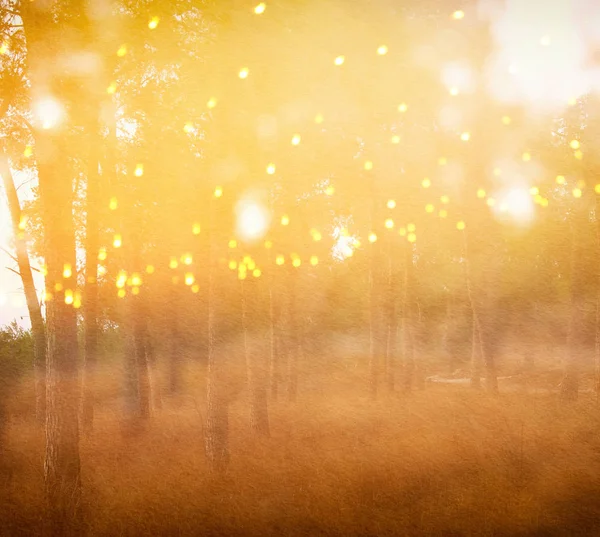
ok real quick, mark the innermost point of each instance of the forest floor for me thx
(444, 460)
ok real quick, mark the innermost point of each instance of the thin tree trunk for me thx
(92, 244)
(216, 430)
(257, 389)
(33, 305)
(481, 307)
(576, 333)
(475, 357)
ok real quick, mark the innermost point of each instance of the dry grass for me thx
(444, 461)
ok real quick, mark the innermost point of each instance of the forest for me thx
(300, 267)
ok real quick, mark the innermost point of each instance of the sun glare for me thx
(252, 219)
(49, 112)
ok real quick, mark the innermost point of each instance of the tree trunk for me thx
(255, 371)
(62, 463)
(216, 431)
(475, 357)
(576, 333)
(33, 305)
(92, 244)
(482, 306)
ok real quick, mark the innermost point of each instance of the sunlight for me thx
(517, 204)
(49, 112)
(252, 219)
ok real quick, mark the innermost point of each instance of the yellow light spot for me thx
(28, 151)
(113, 204)
(411, 237)
(481, 193)
(443, 213)
(545, 41)
(339, 60)
(195, 288)
(330, 190)
(285, 220)
(453, 91)
(44, 269)
(196, 228)
(382, 50)
(4, 47)
(188, 127)
(69, 296)
(597, 188)
(187, 259)
(575, 144)
(314, 260)
(458, 15)
(460, 225)
(251, 265)
(368, 165)
(153, 23)
(212, 102)
(402, 232)
(526, 157)
(102, 254)
(445, 199)
(372, 237)
(232, 264)
(296, 262)
(150, 269)
(506, 120)
(189, 278)
(117, 241)
(139, 170)
(538, 198)
(58, 287)
(296, 139)
(411, 228)
(429, 208)
(271, 169)
(426, 183)
(280, 260)
(389, 223)
(268, 245)
(578, 154)
(122, 51)
(67, 270)
(465, 136)
(23, 222)
(256, 273)
(319, 119)
(218, 192)
(534, 190)
(121, 293)
(243, 73)
(47, 296)
(136, 280)
(560, 180)
(260, 8)
(395, 139)
(544, 202)
(391, 204)
(577, 192)
(572, 101)
(242, 275)
(121, 279)
(173, 263)
(232, 243)
(112, 88)
(402, 107)
(316, 235)
(491, 202)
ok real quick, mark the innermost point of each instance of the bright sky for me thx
(12, 299)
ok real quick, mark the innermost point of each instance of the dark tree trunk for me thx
(33, 305)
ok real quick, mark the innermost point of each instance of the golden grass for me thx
(443, 461)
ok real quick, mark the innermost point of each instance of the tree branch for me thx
(13, 270)
(8, 253)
